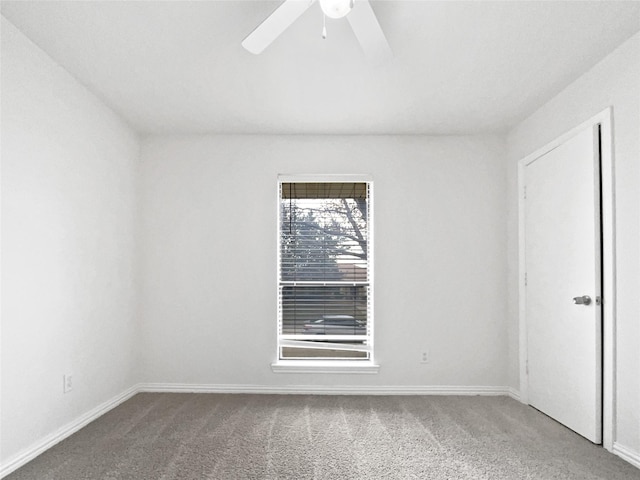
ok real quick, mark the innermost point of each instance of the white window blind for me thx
(325, 270)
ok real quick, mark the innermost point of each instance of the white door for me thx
(562, 258)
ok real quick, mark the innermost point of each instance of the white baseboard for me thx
(70, 428)
(513, 393)
(325, 389)
(627, 454)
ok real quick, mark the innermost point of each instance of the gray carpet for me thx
(215, 436)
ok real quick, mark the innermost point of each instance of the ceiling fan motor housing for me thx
(336, 8)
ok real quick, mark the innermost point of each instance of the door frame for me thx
(607, 179)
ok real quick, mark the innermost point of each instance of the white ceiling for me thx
(458, 67)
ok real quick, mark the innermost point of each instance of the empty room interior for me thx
(320, 239)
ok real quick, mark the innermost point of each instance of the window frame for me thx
(319, 364)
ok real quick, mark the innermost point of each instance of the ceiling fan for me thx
(359, 13)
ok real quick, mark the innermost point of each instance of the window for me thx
(325, 271)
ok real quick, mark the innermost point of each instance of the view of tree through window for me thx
(324, 280)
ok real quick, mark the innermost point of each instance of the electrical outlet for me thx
(424, 356)
(67, 385)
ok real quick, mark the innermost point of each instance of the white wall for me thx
(68, 290)
(208, 247)
(615, 81)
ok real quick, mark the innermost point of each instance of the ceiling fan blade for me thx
(369, 33)
(275, 24)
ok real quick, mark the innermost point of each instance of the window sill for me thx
(306, 366)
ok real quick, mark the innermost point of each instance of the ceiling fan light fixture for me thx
(336, 8)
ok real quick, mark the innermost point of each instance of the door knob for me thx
(583, 300)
